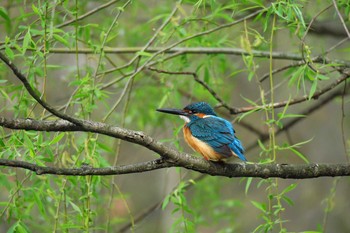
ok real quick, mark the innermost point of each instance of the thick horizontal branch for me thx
(285, 171)
(137, 137)
(170, 157)
(87, 170)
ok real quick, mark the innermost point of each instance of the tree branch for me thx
(199, 50)
(285, 171)
(341, 18)
(86, 170)
(170, 157)
(196, 78)
(345, 75)
(319, 104)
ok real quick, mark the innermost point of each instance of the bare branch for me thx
(87, 14)
(281, 104)
(341, 18)
(303, 45)
(151, 41)
(319, 104)
(198, 50)
(87, 170)
(195, 77)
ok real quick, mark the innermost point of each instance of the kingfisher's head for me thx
(192, 111)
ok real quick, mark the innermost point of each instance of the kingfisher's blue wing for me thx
(219, 134)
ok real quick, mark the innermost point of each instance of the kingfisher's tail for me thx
(238, 149)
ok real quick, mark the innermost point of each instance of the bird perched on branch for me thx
(212, 136)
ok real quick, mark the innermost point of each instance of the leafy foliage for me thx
(114, 62)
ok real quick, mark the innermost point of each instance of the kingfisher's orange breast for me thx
(203, 148)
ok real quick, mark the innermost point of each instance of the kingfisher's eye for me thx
(190, 111)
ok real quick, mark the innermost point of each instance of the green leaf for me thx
(21, 228)
(166, 201)
(299, 154)
(299, 15)
(288, 200)
(2, 144)
(261, 145)
(313, 88)
(249, 181)
(5, 16)
(296, 145)
(57, 138)
(9, 53)
(290, 115)
(39, 202)
(18, 227)
(322, 77)
(251, 76)
(206, 75)
(250, 101)
(26, 40)
(299, 73)
(36, 10)
(76, 208)
(28, 142)
(105, 147)
(144, 54)
(12, 228)
(61, 40)
(260, 206)
(289, 188)
(164, 99)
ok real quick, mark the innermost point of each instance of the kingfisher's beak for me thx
(173, 111)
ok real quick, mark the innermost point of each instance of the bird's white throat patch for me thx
(185, 118)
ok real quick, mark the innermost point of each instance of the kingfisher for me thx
(212, 136)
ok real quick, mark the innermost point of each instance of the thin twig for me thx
(195, 77)
(304, 98)
(107, 34)
(305, 34)
(69, 22)
(150, 42)
(14, 194)
(87, 14)
(321, 103)
(341, 18)
(154, 55)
